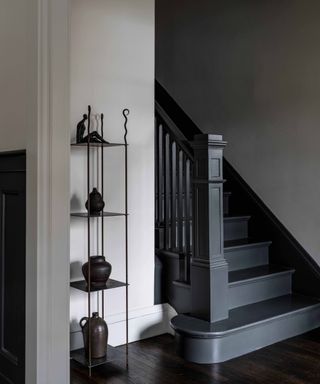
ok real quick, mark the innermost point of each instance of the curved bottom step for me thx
(248, 328)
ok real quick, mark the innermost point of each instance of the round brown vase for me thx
(100, 271)
(98, 335)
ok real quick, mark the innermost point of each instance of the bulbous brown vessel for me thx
(96, 202)
(98, 335)
(100, 271)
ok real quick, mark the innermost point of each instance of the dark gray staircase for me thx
(231, 283)
(235, 227)
(245, 253)
(256, 284)
(262, 307)
(248, 328)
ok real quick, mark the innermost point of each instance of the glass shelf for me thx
(80, 357)
(82, 285)
(98, 145)
(105, 214)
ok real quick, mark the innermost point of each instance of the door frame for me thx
(48, 185)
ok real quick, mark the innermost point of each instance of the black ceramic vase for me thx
(100, 271)
(96, 202)
(98, 335)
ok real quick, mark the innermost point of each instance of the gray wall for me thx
(250, 70)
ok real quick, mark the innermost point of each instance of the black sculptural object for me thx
(81, 127)
(92, 137)
(96, 202)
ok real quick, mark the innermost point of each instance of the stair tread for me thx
(257, 272)
(236, 217)
(239, 243)
(246, 316)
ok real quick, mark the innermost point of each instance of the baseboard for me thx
(143, 323)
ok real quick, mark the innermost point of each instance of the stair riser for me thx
(252, 256)
(230, 345)
(178, 297)
(235, 230)
(226, 204)
(264, 288)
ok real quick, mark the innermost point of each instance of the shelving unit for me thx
(112, 354)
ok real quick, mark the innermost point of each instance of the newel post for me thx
(209, 269)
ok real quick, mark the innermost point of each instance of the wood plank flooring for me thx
(153, 361)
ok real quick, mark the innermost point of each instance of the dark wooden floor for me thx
(153, 361)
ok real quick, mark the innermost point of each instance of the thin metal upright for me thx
(125, 114)
(89, 247)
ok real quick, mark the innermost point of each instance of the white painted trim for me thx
(143, 323)
(48, 158)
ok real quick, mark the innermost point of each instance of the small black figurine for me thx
(81, 127)
(94, 136)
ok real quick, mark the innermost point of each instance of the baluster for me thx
(157, 156)
(187, 207)
(188, 218)
(180, 201)
(159, 233)
(173, 195)
(190, 203)
(167, 193)
(161, 174)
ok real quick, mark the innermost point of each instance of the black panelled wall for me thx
(12, 267)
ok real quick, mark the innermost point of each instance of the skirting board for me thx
(143, 323)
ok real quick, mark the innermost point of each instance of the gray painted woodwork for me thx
(248, 328)
(182, 296)
(235, 227)
(246, 254)
(209, 269)
(226, 203)
(237, 301)
(178, 293)
(261, 283)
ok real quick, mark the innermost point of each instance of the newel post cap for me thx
(208, 139)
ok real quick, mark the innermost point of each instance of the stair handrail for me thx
(175, 132)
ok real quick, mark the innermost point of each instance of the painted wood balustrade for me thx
(189, 214)
(173, 208)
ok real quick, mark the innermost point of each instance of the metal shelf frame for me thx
(79, 355)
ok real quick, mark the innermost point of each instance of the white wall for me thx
(112, 67)
(250, 71)
(34, 113)
(18, 130)
(14, 70)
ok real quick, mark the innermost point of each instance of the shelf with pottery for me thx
(98, 145)
(97, 269)
(112, 354)
(83, 286)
